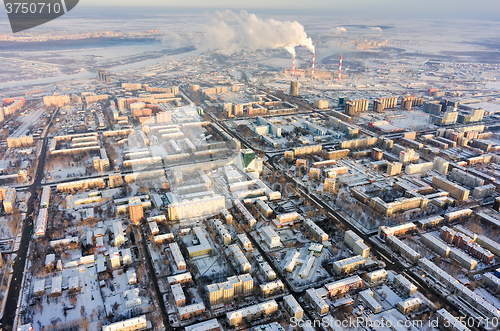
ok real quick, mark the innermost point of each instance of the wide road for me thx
(15, 286)
(152, 277)
(18, 268)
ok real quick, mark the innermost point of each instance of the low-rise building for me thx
(292, 307)
(399, 230)
(436, 244)
(449, 322)
(348, 265)
(492, 281)
(267, 271)
(403, 248)
(371, 302)
(118, 233)
(203, 247)
(252, 313)
(319, 304)
(131, 276)
(377, 276)
(153, 227)
(264, 208)
(240, 259)
(137, 323)
(180, 263)
(463, 258)
(356, 244)
(271, 288)
(287, 219)
(225, 292)
(190, 311)
(210, 325)
(404, 285)
(315, 231)
(180, 278)
(343, 286)
(222, 231)
(307, 266)
(410, 305)
(291, 260)
(245, 242)
(271, 237)
(178, 293)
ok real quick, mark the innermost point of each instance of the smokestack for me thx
(340, 67)
(293, 66)
(312, 69)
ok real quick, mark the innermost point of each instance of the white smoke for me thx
(339, 30)
(376, 29)
(231, 32)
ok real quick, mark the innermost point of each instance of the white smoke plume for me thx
(376, 29)
(231, 32)
(339, 30)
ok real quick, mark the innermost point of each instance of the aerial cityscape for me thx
(216, 169)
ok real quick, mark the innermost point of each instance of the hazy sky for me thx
(445, 8)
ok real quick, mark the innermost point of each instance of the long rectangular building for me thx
(343, 286)
(177, 255)
(44, 200)
(436, 244)
(315, 230)
(137, 323)
(445, 318)
(403, 248)
(356, 244)
(348, 265)
(260, 310)
(456, 191)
